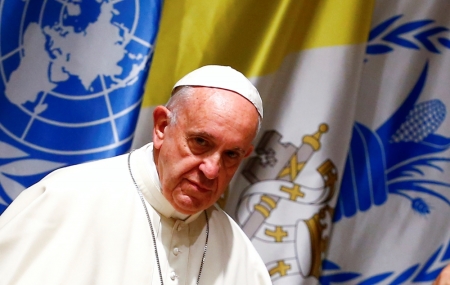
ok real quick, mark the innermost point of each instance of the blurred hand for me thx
(444, 277)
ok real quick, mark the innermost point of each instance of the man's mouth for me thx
(199, 187)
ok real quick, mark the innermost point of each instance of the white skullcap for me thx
(223, 77)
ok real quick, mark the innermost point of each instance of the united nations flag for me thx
(72, 76)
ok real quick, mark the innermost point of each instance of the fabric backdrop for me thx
(349, 181)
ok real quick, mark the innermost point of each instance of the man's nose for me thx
(211, 166)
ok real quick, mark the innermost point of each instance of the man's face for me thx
(197, 156)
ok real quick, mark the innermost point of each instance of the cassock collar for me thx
(148, 182)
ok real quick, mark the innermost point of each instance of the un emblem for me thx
(72, 75)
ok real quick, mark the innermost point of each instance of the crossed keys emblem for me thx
(273, 175)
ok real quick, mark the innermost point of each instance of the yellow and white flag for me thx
(305, 57)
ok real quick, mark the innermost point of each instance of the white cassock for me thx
(86, 224)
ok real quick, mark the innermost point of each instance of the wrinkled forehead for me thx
(218, 104)
(224, 115)
(209, 98)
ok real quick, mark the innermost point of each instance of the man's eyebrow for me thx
(210, 136)
(239, 150)
(201, 134)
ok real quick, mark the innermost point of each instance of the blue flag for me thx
(72, 77)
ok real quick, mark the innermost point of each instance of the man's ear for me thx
(160, 122)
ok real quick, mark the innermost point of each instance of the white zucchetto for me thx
(223, 77)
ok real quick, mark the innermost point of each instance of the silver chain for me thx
(141, 196)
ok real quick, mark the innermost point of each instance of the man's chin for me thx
(188, 205)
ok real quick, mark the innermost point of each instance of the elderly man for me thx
(147, 217)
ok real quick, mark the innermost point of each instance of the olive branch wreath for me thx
(420, 37)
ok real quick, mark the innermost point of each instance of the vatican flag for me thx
(72, 77)
(305, 57)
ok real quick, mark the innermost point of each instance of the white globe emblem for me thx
(72, 72)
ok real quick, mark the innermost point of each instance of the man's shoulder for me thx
(103, 177)
(111, 168)
(91, 170)
(87, 187)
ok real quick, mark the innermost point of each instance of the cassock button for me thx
(173, 275)
(176, 251)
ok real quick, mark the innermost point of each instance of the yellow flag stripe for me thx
(253, 36)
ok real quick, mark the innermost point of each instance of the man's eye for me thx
(198, 145)
(232, 154)
(201, 141)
